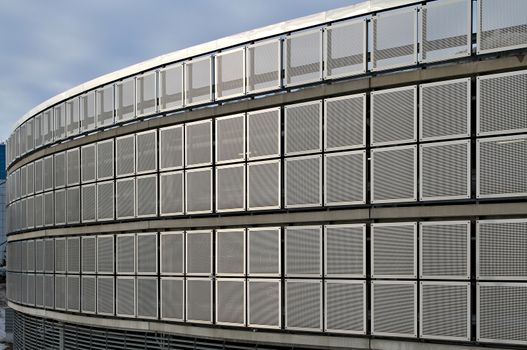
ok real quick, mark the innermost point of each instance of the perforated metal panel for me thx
(229, 72)
(501, 248)
(104, 105)
(394, 39)
(171, 147)
(39, 290)
(264, 258)
(89, 254)
(38, 133)
(49, 291)
(345, 49)
(47, 175)
(105, 201)
(500, 167)
(73, 293)
(444, 250)
(146, 94)
(198, 84)
(73, 166)
(172, 247)
(444, 109)
(23, 181)
(146, 154)
(47, 126)
(303, 251)
(198, 252)
(394, 250)
(303, 181)
(125, 155)
(394, 177)
(501, 26)
(345, 122)
(60, 292)
(230, 138)
(30, 204)
(198, 308)
(263, 66)
(172, 193)
(171, 87)
(303, 128)
(39, 256)
(89, 201)
(393, 116)
(30, 299)
(264, 303)
(147, 253)
(501, 103)
(125, 198)
(230, 302)
(60, 207)
(147, 297)
(126, 254)
(345, 306)
(303, 305)
(198, 143)
(88, 163)
(264, 184)
(230, 252)
(394, 308)
(125, 100)
(125, 297)
(198, 194)
(59, 113)
(172, 298)
(345, 250)
(146, 198)
(445, 310)
(303, 57)
(445, 30)
(74, 256)
(30, 255)
(345, 178)
(230, 188)
(105, 159)
(60, 255)
(49, 255)
(263, 134)
(105, 295)
(87, 111)
(105, 254)
(39, 180)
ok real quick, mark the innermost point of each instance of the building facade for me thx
(352, 179)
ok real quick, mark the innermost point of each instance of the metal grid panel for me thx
(146, 93)
(303, 305)
(172, 193)
(198, 308)
(230, 302)
(30, 293)
(303, 57)
(88, 163)
(172, 298)
(47, 175)
(229, 72)
(171, 87)
(39, 256)
(47, 126)
(264, 185)
(49, 291)
(303, 251)
(394, 116)
(445, 30)
(104, 104)
(146, 153)
(38, 133)
(60, 207)
(146, 195)
(73, 293)
(105, 201)
(303, 128)
(30, 222)
(345, 49)
(198, 81)
(394, 250)
(501, 103)
(74, 254)
(230, 138)
(88, 294)
(73, 166)
(49, 255)
(501, 249)
(345, 306)
(445, 310)
(264, 66)
(394, 177)
(303, 181)
(345, 122)
(60, 255)
(345, 250)
(105, 157)
(500, 167)
(444, 109)
(444, 170)
(444, 250)
(105, 254)
(59, 113)
(264, 257)
(23, 181)
(125, 100)
(172, 248)
(105, 295)
(60, 292)
(230, 252)
(39, 290)
(89, 202)
(30, 137)
(198, 194)
(147, 253)
(125, 297)
(394, 308)
(230, 188)
(198, 143)
(87, 111)
(263, 134)
(126, 254)
(198, 252)
(501, 26)
(264, 303)
(147, 297)
(125, 198)
(30, 255)
(125, 155)
(171, 147)
(89, 254)
(345, 178)
(39, 180)
(394, 39)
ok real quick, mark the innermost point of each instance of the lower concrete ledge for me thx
(314, 341)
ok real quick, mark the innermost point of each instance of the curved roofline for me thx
(320, 18)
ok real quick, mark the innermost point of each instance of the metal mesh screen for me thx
(146, 93)
(105, 254)
(146, 200)
(230, 73)
(198, 143)
(88, 203)
(60, 292)
(105, 295)
(147, 297)
(171, 87)
(30, 179)
(171, 147)
(264, 251)
(264, 303)
(345, 178)
(263, 66)
(263, 134)
(125, 297)
(59, 112)
(87, 111)
(39, 180)
(73, 166)
(172, 299)
(303, 305)
(126, 254)
(147, 253)
(345, 49)
(345, 305)
(198, 84)
(47, 126)
(49, 291)
(230, 188)
(394, 248)
(88, 294)
(60, 255)
(303, 128)
(39, 290)
(73, 293)
(59, 161)
(394, 309)
(345, 122)
(105, 159)
(303, 251)
(230, 252)
(105, 201)
(125, 198)
(172, 196)
(49, 255)
(104, 103)
(74, 256)
(60, 207)
(172, 253)
(230, 302)
(89, 254)
(303, 181)
(47, 174)
(303, 57)
(230, 138)
(125, 155)
(88, 165)
(199, 300)
(199, 252)
(264, 185)
(146, 153)
(125, 100)
(345, 250)
(198, 191)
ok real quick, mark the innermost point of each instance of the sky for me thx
(47, 47)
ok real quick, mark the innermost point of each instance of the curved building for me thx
(352, 179)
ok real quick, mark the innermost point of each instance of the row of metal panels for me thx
(308, 56)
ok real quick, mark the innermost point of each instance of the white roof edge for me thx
(362, 8)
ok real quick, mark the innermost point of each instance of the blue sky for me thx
(49, 46)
